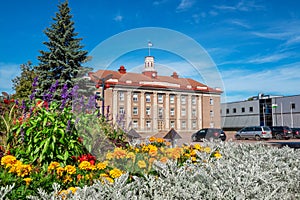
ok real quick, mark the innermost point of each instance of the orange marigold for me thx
(102, 165)
(53, 165)
(115, 173)
(8, 160)
(85, 165)
(70, 169)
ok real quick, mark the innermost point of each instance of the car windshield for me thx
(266, 128)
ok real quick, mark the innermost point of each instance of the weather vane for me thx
(149, 46)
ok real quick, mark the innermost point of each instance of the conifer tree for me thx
(62, 61)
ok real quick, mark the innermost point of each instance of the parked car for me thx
(296, 132)
(280, 132)
(254, 132)
(209, 133)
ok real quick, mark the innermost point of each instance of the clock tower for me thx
(149, 69)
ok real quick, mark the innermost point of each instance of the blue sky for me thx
(254, 44)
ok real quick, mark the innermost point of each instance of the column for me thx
(128, 109)
(142, 111)
(154, 113)
(199, 112)
(189, 112)
(178, 111)
(167, 111)
(115, 105)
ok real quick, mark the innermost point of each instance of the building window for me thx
(250, 109)
(160, 112)
(211, 113)
(135, 124)
(194, 113)
(183, 125)
(148, 111)
(183, 99)
(135, 97)
(211, 124)
(183, 112)
(121, 110)
(293, 105)
(227, 111)
(121, 96)
(234, 110)
(172, 98)
(194, 124)
(172, 111)
(172, 124)
(194, 100)
(148, 124)
(135, 111)
(148, 98)
(160, 98)
(211, 101)
(243, 109)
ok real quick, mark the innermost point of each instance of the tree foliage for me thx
(64, 55)
(23, 84)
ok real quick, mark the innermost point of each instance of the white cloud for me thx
(270, 58)
(245, 6)
(293, 40)
(159, 2)
(184, 5)
(282, 80)
(118, 18)
(240, 23)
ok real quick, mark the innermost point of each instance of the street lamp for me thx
(102, 82)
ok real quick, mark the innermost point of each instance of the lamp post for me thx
(102, 82)
(292, 119)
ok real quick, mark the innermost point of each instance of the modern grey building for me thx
(261, 110)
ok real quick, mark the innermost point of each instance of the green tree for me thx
(23, 84)
(62, 61)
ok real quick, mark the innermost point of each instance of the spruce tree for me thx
(62, 61)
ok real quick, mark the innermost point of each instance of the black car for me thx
(209, 133)
(280, 132)
(296, 132)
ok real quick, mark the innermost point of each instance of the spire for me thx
(149, 69)
(149, 47)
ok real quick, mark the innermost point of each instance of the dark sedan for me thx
(296, 132)
(208, 134)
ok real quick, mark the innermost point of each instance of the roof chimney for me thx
(174, 75)
(122, 70)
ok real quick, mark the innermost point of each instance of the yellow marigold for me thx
(193, 152)
(60, 171)
(14, 168)
(152, 151)
(70, 169)
(119, 153)
(106, 177)
(151, 160)
(102, 165)
(85, 165)
(217, 155)
(145, 148)
(142, 164)
(160, 140)
(207, 149)
(53, 165)
(162, 149)
(152, 139)
(109, 156)
(163, 159)
(24, 170)
(27, 180)
(137, 150)
(187, 155)
(73, 189)
(130, 155)
(193, 159)
(197, 146)
(8, 160)
(115, 173)
(67, 179)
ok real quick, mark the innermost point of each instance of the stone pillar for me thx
(128, 111)
(178, 111)
(199, 112)
(154, 113)
(115, 105)
(189, 112)
(167, 111)
(142, 111)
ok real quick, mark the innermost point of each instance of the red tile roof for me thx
(140, 80)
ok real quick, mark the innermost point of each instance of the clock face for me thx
(153, 74)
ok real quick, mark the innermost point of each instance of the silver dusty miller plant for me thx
(245, 171)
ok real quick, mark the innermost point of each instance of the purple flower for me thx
(68, 126)
(17, 102)
(47, 97)
(35, 81)
(74, 91)
(53, 87)
(23, 105)
(63, 103)
(64, 92)
(32, 95)
(91, 103)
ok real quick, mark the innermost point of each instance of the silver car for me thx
(256, 132)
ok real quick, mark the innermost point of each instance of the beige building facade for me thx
(150, 103)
